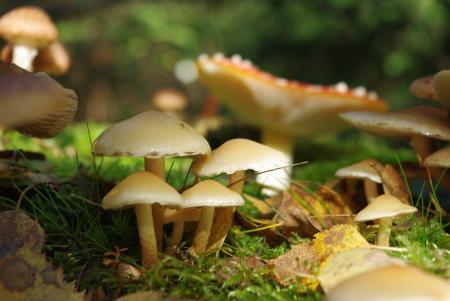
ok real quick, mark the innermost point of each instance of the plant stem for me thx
(370, 189)
(147, 238)
(175, 237)
(203, 231)
(384, 231)
(23, 56)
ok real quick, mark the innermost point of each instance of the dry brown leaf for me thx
(348, 263)
(272, 237)
(24, 272)
(393, 183)
(149, 296)
(300, 262)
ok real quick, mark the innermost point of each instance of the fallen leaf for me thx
(234, 264)
(299, 262)
(393, 183)
(24, 272)
(271, 235)
(346, 264)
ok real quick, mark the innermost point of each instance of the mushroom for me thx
(152, 135)
(34, 104)
(170, 101)
(141, 190)
(208, 194)
(53, 59)
(423, 88)
(362, 171)
(441, 84)
(391, 283)
(233, 158)
(440, 158)
(383, 208)
(283, 109)
(28, 29)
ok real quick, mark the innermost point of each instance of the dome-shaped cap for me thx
(383, 206)
(441, 84)
(239, 154)
(28, 25)
(359, 170)
(150, 134)
(440, 158)
(283, 105)
(169, 100)
(420, 120)
(212, 194)
(392, 283)
(141, 188)
(423, 88)
(34, 104)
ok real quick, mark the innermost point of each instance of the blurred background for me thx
(123, 52)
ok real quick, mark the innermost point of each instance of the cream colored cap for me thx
(53, 59)
(28, 25)
(383, 206)
(239, 154)
(441, 158)
(212, 194)
(286, 106)
(441, 83)
(392, 283)
(423, 88)
(34, 104)
(141, 188)
(168, 100)
(420, 120)
(150, 134)
(359, 170)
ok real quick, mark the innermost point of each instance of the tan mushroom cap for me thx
(440, 158)
(28, 25)
(34, 104)
(141, 188)
(359, 170)
(423, 88)
(282, 105)
(150, 134)
(383, 206)
(441, 83)
(169, 100)
(239, 154)
(392, 283)
(210, 193)
(419, 120)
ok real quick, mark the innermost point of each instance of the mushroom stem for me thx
(23, 56)
(370, 190)
(203, 231)
(175, 237)
(224, 215)
(280, 178)
(157, 167)
(147, 238)
(384, 231)
(185, 215)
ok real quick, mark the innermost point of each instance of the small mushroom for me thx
(423, 88)
(141, 190)
(154, 136)
(28, 29)
(283, 109)
(362, 171)
(383, 208)
(170, 101)
(34, 104)
(208, 194)
(234, 157)
(391, 283)
(440, 158)
(441, 84)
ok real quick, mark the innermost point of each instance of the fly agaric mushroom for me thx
(53, 59)
(234, 157)
(362, 171)
(141, 190)
(391, 283)
(283, 109)
(208, 194)
(441, 84)
(152, 135)
(383, 208)
(34, 104)
(28, 29)
(423, 88)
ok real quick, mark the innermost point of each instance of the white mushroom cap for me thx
(34, 104)
(359, 170)
(150, 134)
(239, 154)
(441, 158)
(420, 120)
(392, 283)
(441, 83)
(211, 194)
(141, 188)
(383, 206)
